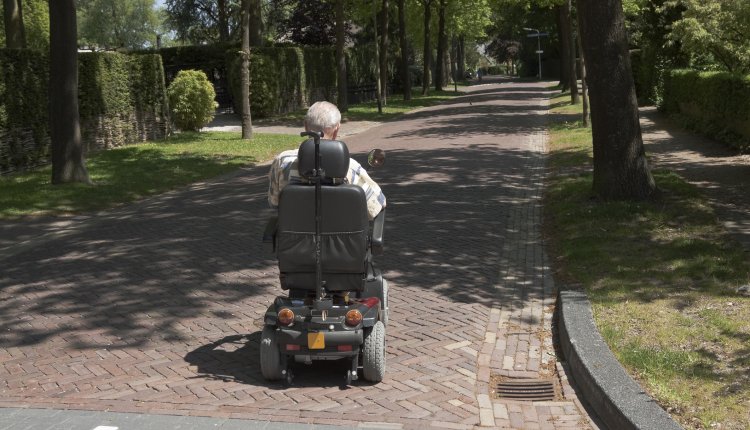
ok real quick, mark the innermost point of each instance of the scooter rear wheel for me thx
(270, 359)
(373, 353)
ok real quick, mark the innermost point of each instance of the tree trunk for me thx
(15, 34)
(343, 90)
(405, 75)
(572, 76)
(384, 52)
(584, 85)
(256, 23)
(454, 59)
(440, 58)
(564, 48)
(247, 122)
(620, 167)
(378, 87)
(461, 57)
(65, 130)
(427, 48)
(223, 20)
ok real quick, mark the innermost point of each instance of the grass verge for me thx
(661, 276)
(125, 174)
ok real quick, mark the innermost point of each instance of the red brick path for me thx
(157, 306)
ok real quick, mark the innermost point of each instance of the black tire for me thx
(270, 359)
(373, 353)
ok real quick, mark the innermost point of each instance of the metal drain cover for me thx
(533, 390)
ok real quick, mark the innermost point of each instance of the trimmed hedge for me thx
(284, 79)
(122, 99)
(716, 104)
(24, 116)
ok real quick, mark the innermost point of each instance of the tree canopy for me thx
(715, 34)
(110, 24)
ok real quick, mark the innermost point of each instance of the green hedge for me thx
(284, 79)
(122, 99)
(716, 104)
(24, 124)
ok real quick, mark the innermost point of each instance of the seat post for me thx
(318, 175)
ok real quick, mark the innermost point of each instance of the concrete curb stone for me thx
(614, 396)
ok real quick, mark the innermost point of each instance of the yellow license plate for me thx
(316, 340)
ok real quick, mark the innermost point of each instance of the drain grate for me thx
(533, 390)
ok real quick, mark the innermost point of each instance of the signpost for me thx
(539, 51)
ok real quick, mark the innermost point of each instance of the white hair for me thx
(323, 116)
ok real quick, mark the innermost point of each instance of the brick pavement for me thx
(157, 307)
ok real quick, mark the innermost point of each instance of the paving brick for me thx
(157, 307)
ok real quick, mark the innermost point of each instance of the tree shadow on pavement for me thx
(188, 265)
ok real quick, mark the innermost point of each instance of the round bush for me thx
(191, 100)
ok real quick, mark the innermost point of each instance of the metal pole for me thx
(539, 52)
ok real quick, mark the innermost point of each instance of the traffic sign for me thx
(537, 34)
(539, 52)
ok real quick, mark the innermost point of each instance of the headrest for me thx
(334, 158)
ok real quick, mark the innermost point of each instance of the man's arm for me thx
(375, 197)
(278, 175)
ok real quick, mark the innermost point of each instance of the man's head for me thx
(325, 117)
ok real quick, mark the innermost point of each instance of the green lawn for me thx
(131, 172)
(662, 278)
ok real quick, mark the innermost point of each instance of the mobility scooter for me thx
(336, 307)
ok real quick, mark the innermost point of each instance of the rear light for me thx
(353, 318)
(344, 348)
(371, 302)
(290, 347)
(286, 316)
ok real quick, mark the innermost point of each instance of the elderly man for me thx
(322, 117)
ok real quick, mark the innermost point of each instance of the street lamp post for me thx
(539, 51)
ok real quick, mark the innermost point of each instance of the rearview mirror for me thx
(376, 158)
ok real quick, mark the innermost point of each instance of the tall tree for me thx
(378, 87)
(384, 15)
(15, 35)
(427, 51)
(440, 57)
(117, 24)
(570, 42)
(203, 21)
(223, 14)
(256, 23)
(715, 33)
(247, 123)
(562, 23)
(405, 76)
(310, 23)
(65, 131)
(620, 167)
(343, 91)
(584, 84)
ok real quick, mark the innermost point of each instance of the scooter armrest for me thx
(269, 235)
(378, 228)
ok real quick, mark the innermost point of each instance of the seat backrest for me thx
(344, 227)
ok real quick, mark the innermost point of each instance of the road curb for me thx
(613, 395)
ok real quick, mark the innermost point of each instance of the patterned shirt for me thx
(284, 171)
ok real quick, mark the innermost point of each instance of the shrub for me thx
(716, 104)
(191, 100)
